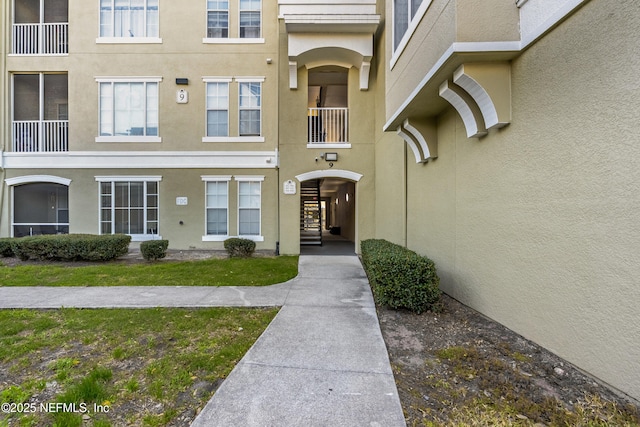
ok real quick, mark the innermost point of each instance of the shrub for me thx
(153, 250)
(237, 247)
(5, 247)
(399, 277)
(71, 247)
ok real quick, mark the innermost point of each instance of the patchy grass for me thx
(213, 272)
(146, 367)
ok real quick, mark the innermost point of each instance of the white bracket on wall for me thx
(421, 137)
(466, 107)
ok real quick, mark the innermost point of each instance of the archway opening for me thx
(40, 208)
(327, 216)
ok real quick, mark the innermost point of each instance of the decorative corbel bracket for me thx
(293, 75)
(466, 107)
(421, 137)
(489, 84)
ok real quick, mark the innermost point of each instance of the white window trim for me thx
(128, 40)
(122, 178)
(249, 178)
(124, 138)
(235, 40)
(251, 80)
(411, 28)
(215, 178)
(261, 21)
(233, 138)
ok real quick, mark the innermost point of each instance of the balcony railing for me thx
(328, 125)
(40, 39)
(40, 136)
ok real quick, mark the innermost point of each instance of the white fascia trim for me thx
(142, 160)
(128, 79)
(208, 178)
(37, 178)
(207, 40)
(233, 139)
(128, 178)
(128, 40)
(321, 146)
(252, 178)
(117, 139)
(455, 48)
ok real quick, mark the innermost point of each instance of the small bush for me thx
(5, 247)
(237, 247)
(153, 250)
(71, 247)
(399, 277)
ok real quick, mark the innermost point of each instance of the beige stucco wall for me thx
(536, 225)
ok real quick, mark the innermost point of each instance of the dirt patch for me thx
(449, 364)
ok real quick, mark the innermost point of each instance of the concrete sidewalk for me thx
(321, 362)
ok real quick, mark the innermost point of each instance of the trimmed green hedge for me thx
(5, 247)
(399, 277)
(71, 247)
(153, 250)
(237, 247)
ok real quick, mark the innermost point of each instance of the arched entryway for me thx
(328, 212)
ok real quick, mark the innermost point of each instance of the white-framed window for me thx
(250, 110)
(250, 206)
(216, 208)
(217, 19)
(217, 108)
(250, 19)
(407, 14)
(130, 205)
(239, 24)
(129, 20)
(128, 110)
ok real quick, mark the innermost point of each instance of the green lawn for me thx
(215, 272)
(143, 367)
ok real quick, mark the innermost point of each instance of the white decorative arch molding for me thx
(330, 173)
(31, 179)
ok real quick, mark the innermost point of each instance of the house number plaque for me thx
(289, 187)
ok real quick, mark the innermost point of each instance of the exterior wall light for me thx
(182, 81)
(331, 157)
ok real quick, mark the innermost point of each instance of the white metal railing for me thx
(40, 136)
(40, 39)
(328, 125)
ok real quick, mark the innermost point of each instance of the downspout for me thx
(406, 198)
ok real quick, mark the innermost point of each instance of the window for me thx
(250, 19)
(217, 207)
(241, 24)
(250, 111)
(129, 207)
(403, 13)
(217, 109)
(249, 205)
(217, 19)
(129, 18)
(128, 111)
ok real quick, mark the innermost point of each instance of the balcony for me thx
(40, 27)
(40, 39)
(38, 136)
(328, 126)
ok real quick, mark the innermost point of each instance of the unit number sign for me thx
(289, 187)
(182, 96)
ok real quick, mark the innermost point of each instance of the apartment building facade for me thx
(495, 137)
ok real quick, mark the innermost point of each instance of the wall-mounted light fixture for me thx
(182, 81)
(331, 157)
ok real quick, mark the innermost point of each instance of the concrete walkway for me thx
(321, 362)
